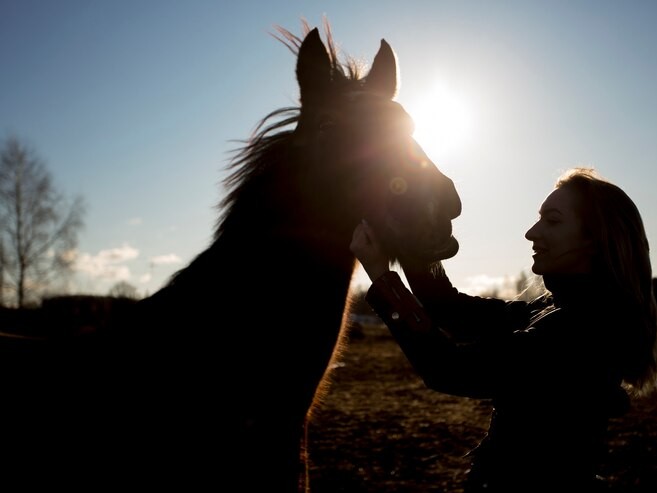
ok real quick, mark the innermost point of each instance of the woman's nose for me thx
(531, 233)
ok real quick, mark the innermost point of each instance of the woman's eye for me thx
(550, 220)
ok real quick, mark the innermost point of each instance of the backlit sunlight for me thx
(443, 121)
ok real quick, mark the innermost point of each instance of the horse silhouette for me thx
(209, 382)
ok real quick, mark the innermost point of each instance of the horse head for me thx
(360, 141)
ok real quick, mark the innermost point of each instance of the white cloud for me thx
(145, 278)
(135, 221)
(167, 259)
(106, 264)
(68, 256)
(500, 287)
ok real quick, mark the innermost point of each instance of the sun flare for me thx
(443, 121)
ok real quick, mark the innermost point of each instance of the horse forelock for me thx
(347, 69)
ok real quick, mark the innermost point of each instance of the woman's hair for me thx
(611, 219)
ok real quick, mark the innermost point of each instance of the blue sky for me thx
(136, 105)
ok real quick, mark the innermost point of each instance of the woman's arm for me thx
(444, 365)
(468, 317)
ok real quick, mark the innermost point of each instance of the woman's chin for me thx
(537, 268)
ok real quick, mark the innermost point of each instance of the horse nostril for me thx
(456, 209)
(449, 206)
(452, 203)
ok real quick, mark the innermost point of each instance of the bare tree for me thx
(124, 289)
(38, 226)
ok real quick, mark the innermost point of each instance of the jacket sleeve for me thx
(444, 364)
(466, 317)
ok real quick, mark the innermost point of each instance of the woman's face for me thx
(559, 244)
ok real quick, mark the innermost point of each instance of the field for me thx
(380, 430)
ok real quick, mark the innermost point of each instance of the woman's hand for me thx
(367, 250)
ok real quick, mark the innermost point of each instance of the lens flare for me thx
(398, 185)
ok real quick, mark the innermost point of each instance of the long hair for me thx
(613, 222)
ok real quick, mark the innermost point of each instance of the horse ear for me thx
(382, 77)
(313, 67)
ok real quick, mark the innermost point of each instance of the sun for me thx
(443, 119)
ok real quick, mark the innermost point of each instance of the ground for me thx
(379, 429)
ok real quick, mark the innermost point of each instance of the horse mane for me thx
(255, 157)
(258, 153)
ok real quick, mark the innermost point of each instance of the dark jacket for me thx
(551, 368)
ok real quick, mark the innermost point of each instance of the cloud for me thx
(145, 278)
(167, 259)
(482, 285)
(134, 221)
(106, 264)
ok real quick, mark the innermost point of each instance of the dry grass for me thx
(380, 430)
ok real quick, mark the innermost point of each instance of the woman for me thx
(556, 368)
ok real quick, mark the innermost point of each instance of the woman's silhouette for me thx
(556, 368)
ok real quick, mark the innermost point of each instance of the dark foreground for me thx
(380, 430)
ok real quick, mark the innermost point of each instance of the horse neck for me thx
(297, 251)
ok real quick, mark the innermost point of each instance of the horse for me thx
(233, 351)
(210, 381)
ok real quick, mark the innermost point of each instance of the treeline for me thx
(64, 316)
